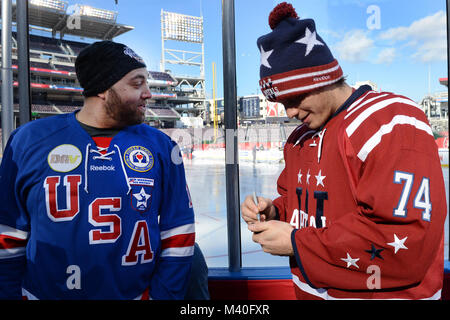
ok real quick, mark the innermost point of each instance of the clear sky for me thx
(398, 44)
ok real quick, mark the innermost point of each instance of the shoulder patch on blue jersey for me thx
(64, 158)
(141, 193)
(138, 158)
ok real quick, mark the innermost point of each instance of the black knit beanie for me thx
(101, 64)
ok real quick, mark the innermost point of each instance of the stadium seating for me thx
(41, 65)
(64, 68)
(56, 54)
(52, 45)
(45, 44)
(67, 109)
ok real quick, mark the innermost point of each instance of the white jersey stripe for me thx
(350, 111)
(184, 229)
(323, 293)
(387, 128)
(8, 231)
(12, 232)
(178, 252)
(139, 297)
(28, 295)
(372, 109)
(12, 253)
(359, 100)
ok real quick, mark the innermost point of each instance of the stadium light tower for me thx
(89, 11)
(187, 31)
(56, 5)
(184, 28)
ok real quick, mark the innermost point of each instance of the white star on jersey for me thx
(299, 176)
(350, 261)
(142, 198)
(320, 178)
(398, 243)
(307, 177)
(310, 40)
(264, 56)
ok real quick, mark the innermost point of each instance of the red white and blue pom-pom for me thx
(280, 12)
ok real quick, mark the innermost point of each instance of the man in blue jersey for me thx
(95, 203)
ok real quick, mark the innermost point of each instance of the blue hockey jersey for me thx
(79, 221)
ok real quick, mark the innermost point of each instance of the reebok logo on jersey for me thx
(102, 168)
(64, 158)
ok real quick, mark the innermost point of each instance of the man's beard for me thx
(124, 113)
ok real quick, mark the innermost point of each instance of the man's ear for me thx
(102, 95)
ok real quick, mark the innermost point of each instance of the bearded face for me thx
(125, 101)
(124, 110)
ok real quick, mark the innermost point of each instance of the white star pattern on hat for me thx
(299, 176)
(307, 177)
(264, 56)
(310, 40)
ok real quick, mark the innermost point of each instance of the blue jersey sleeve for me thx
(171, 276)
(14, 224)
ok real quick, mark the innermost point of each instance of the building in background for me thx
(252, 109)
(435, 106)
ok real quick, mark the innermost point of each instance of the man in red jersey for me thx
(362, 198)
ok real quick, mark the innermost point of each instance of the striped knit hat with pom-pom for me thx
(294, 58)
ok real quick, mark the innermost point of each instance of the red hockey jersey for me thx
(366, 197)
